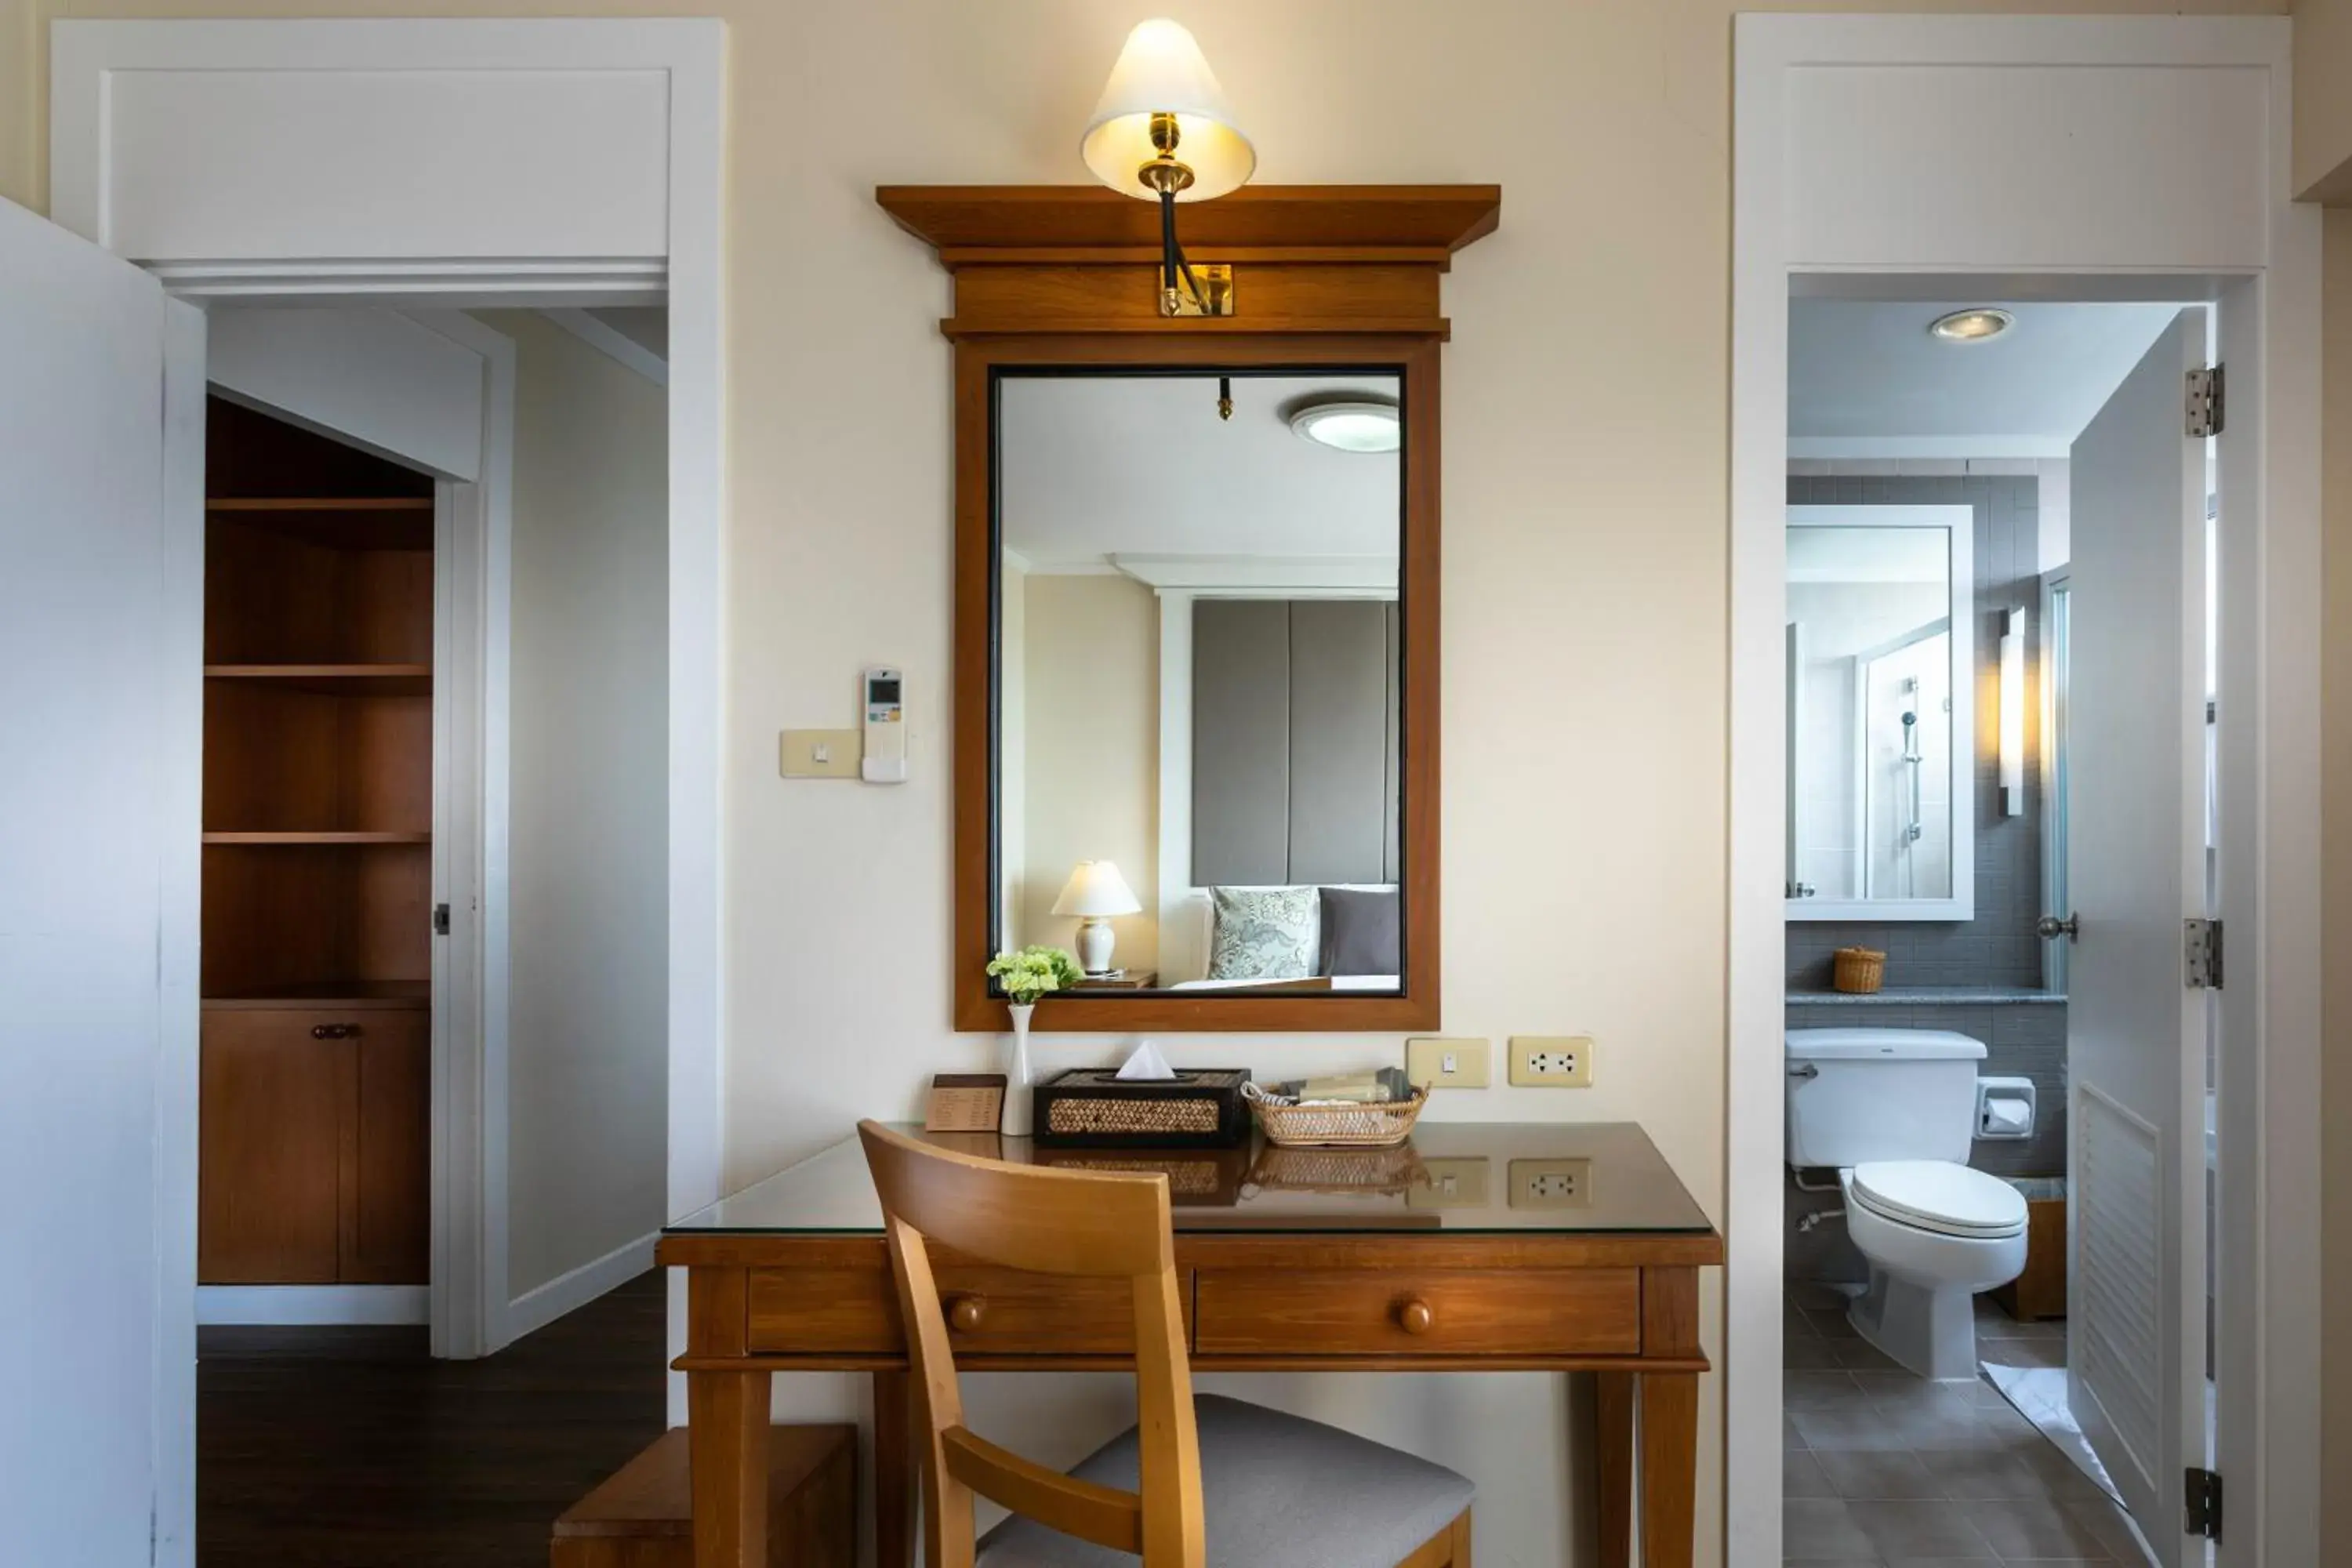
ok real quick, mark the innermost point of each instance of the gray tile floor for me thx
(1880, 1469)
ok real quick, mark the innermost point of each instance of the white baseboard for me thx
(312, 1305)
(541, 1305)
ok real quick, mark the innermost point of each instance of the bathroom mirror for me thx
(1882, 742)
(1202, 713)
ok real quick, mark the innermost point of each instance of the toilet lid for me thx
(1937, 1196)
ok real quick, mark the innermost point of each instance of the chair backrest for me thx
(1043, 1221)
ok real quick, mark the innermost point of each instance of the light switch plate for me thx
(1448, 1061)
(1453, 1183)
(1551, 1061)
(820, 754)
(1551, 1184)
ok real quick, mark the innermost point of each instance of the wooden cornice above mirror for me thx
(1081, 413)
(1305, 259)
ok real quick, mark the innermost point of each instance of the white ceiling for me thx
(1866, 379)
(1102, 466)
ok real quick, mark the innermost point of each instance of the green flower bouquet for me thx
(1034, 972)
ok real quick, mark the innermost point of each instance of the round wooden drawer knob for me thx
(1415, 1318)
(965, 1313)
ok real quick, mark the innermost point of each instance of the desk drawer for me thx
(1407, 1312)
(990, 1310)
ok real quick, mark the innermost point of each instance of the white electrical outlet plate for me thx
(1447, 1061)
(820, 754)
(1455, 1183)
(1551, 1061)
(1551, 1184)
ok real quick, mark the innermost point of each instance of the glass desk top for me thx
(1457, 1178)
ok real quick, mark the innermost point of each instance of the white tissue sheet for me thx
(1146, 1063)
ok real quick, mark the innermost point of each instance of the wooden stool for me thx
(642, 1516)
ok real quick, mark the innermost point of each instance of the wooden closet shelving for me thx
(316, 971)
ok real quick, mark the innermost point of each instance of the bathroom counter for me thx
(1931, 996)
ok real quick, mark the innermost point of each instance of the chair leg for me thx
(1461, 1542)
(1449, 1548)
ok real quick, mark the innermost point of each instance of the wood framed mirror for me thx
(1196, 685)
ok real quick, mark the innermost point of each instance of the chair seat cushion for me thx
(1280, 1491)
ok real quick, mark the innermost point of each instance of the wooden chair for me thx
(1202, 1482)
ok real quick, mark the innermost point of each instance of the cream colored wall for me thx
(2323, 100)
(1092, 658)
(588, 1122)
(2335, 915)
(1581, 513)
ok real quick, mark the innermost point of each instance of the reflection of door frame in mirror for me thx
(1325, 278)
(2057, 585)
(1958, 523)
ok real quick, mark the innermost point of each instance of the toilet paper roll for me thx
(2006, 1116)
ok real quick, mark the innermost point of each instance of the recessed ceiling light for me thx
(1975, 325)
(1350, 427)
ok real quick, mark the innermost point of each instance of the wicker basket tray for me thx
(1858, 971)
(1378, 1125)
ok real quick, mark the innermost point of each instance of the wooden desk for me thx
(1488, 1247)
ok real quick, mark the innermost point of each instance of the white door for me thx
(2136, 1032)
(101, 700)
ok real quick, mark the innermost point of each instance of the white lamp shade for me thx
(1093, 889)
(1161, 71)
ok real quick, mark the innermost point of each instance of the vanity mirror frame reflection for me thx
(1326, 279)
(1958, 524)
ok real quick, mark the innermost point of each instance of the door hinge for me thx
(2206, 401)
(2204, 1495)
(440, 920)
(2203, 949)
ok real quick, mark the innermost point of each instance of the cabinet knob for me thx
(334, 1031)
(965, 1313)
(1415, 1317)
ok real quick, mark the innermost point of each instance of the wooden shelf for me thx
(336, 522)
(321, 504)
(347, 680)
(328, 836)
(404, 994)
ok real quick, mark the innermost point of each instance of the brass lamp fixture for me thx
(1163, 100)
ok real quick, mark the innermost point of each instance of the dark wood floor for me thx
(352, 1449)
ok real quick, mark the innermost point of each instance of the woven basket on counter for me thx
(1859, 971)
(1373, 1125)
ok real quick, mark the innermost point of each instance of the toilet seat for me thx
(1939, 1198)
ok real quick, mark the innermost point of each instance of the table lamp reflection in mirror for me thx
(1095, 892)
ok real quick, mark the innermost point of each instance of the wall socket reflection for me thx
(1457, 1184)
(1551, 1184)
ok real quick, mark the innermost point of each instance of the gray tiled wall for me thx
(1997, 948)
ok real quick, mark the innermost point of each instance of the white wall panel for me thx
(372, 376)
(2062, 152)
(390, 163)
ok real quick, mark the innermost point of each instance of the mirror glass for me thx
(1198, 679)
(1880, 745)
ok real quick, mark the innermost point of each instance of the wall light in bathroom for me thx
(2013, 714)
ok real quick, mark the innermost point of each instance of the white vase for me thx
(1017, 1118)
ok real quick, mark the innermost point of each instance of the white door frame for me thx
(2008, 223)
(266, 265)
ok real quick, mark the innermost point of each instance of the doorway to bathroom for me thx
(1978, 1304)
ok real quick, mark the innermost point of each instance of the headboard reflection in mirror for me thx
(1196, 599)
(1200, 679)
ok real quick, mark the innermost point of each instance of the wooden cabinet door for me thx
(386, 1152)
(271, 1112)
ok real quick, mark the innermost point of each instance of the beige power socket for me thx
(1551, 1061)
(1453, 1183)
(1551, 1184)
(820, 754)
(1447, 1061)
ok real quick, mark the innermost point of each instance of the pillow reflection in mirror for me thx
(1360, 932)
(1263, 933)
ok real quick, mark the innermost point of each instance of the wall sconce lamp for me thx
(1163, 98)
(2013, 714)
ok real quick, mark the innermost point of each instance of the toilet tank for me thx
(1859, 1095)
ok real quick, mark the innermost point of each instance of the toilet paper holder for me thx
(2005, 1107)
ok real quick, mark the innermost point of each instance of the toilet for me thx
(1892, 1111)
